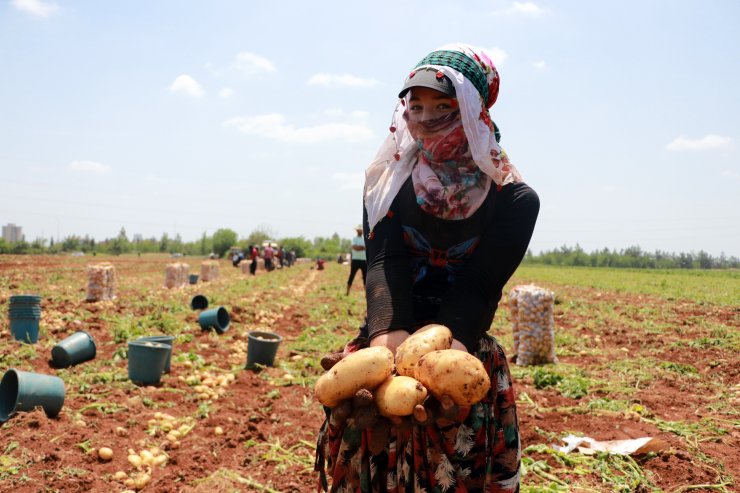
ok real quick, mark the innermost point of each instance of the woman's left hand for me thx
(458, 345)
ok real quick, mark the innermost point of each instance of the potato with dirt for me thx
(363, 369)
(429, 338)
(453, 373)
(399, 395)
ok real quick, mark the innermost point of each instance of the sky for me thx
(185, 117)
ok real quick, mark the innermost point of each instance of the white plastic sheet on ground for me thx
(634, 446)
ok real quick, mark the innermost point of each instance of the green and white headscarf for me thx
(476, 82)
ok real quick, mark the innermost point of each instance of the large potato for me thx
(398, 396)
(455, 373)
(429, 338)
(363, 369)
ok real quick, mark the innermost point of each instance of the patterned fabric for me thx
(399, 152)
(447, 182)
(477, 453)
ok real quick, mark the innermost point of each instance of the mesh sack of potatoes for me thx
(533, 325)
(101, 282)
(209, 270)
(176, 275)
(245, 267)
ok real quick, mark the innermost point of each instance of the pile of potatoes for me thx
(533, 325)
(207, 385)
(399, 384)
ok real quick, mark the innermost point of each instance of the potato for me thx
(455, 373)
(429, 338)
(398, 396)
(363, 369)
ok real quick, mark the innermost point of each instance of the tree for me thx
(259, 234)
(223, 239)
(205, 245)
(164, 243)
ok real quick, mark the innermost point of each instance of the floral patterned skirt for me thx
(479, 452)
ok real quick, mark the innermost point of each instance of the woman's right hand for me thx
(391, 339)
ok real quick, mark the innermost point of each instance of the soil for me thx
(268, 423)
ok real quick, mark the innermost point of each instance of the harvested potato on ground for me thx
(429, 338)
(398, 396)
(455, 373)
(363, 369)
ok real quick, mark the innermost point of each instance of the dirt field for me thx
(645, 366)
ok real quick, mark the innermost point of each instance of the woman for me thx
(447, 220)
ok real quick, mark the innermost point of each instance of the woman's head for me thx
(453, 121)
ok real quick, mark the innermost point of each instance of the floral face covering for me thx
(447, 182)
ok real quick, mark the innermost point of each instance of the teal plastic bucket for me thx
(24, 391)
(146, 360)
(169, 340)
(74, 349)
(25, 329)
(193, 278)
(199, 302)
(262, 348)
(25, 298)
(216, 318)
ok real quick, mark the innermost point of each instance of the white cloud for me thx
(89, 167)
(349, 181)
(274, 126)
(498, 55)
(35, 7)
(335, 80)
(522, 8)
(226, 92)
(249, 63)
(708, 142)
(730, 174)
(539, 65)
(359, 114)
(187, 85)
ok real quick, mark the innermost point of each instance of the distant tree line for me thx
(219, 244)
(633, 257)
(330, 247)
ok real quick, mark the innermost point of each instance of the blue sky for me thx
(184, 117)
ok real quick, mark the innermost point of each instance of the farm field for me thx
(640, 353)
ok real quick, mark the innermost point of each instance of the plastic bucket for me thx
(169, 340)
(25, 329)
(25, 298)
(146, 360)
(216, 318)
(199, 302)
(24, 391)
(76, 348)
(193, 278)
(262, 348)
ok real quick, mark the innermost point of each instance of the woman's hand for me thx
(391, 339)
(458, 345)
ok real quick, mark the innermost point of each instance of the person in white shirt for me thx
(359, 260)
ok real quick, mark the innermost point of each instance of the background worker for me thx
(359, 259)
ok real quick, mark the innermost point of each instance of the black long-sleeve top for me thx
(424, 269)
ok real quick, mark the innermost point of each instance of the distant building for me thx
(12, 233)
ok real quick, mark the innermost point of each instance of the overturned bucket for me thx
(216, 318)
(262, 348)
(169, 340)
(146, 361)
(24, 391)
(193, 278)
(199, 302)
(74, 349)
